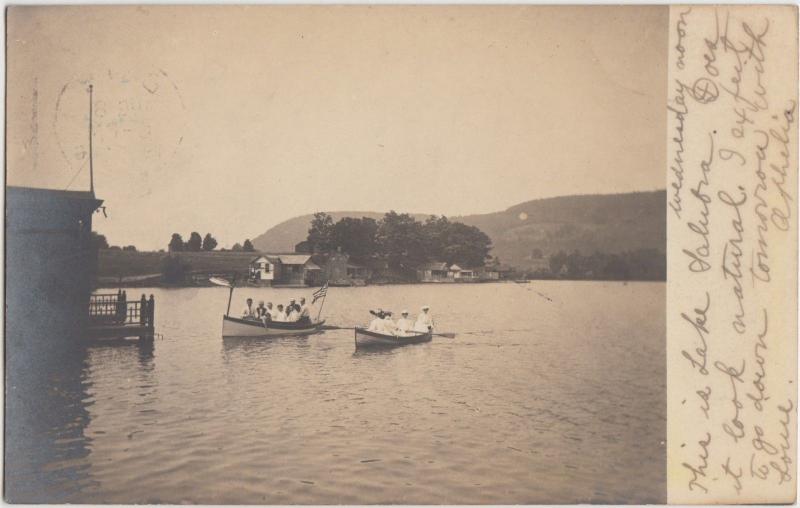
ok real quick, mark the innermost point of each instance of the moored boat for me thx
(366, 338)
(235, 327)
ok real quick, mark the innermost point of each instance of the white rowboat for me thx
(235, 327)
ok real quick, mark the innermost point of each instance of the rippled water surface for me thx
(551, 392)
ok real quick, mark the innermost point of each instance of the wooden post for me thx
(151, 312)
(143, 310)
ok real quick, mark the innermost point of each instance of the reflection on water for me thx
(556, 399)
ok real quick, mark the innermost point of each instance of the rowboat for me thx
(235, 327)
(366, 338)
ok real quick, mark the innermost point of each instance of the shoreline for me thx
(159, 284)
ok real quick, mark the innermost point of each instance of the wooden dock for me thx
(112, 316)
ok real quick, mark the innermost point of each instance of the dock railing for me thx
(114, 309)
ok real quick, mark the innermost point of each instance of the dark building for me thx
(50, 269)
(50, 260)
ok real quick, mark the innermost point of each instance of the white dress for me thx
(389, 326)
(377, 325)
(424, 322)
(404, 325)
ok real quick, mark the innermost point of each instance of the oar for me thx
(446, 335)
(334, 327)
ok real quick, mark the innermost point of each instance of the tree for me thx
(466, 244)
(237, 247)
(304, 247)
(209, 242)
(320, 232)
(435, 231)
(454, 242)
(400, 241)
(98, 241)
(355, 237)
(131, 248)
(176, 243)
(248, 246)
(195, 242)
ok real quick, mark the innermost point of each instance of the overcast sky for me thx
(233, 119)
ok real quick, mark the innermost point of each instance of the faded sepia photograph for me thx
(336, 254)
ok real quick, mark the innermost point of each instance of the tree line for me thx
(99, 242)
(398, 238)
(196, 243)
(641, 264)
(208, 243)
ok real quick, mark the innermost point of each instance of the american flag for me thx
(320, 293)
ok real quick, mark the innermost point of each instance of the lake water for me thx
(551, 392)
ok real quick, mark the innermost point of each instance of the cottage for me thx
(460, 274)
(495, 272)
(264, 269)
(338, 270)
(435, 271)
(284, 269)
(297, 270)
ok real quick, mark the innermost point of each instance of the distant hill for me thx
(608, 223)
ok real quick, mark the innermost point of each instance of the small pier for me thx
(113, 316)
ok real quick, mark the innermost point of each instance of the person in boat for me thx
(305, 314)
(424, 321)
(280, 314)
(404, 325)
(261, 310)
(266, 313)
(249, 312)
(377, 324)
(291, 311)
(271, 313)
(389, 326)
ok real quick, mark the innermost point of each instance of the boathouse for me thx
(435, 271)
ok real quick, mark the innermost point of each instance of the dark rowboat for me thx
(235, 327)
(366, 338)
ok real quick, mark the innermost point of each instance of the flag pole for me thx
(91, 165)
(319, 313)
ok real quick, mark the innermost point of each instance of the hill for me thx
(609, 223)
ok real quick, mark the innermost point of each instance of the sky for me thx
(231, 120)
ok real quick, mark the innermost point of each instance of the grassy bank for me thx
(116, 264)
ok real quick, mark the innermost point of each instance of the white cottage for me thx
(265, 268)
(462, 274)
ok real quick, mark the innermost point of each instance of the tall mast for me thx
(91, 166)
